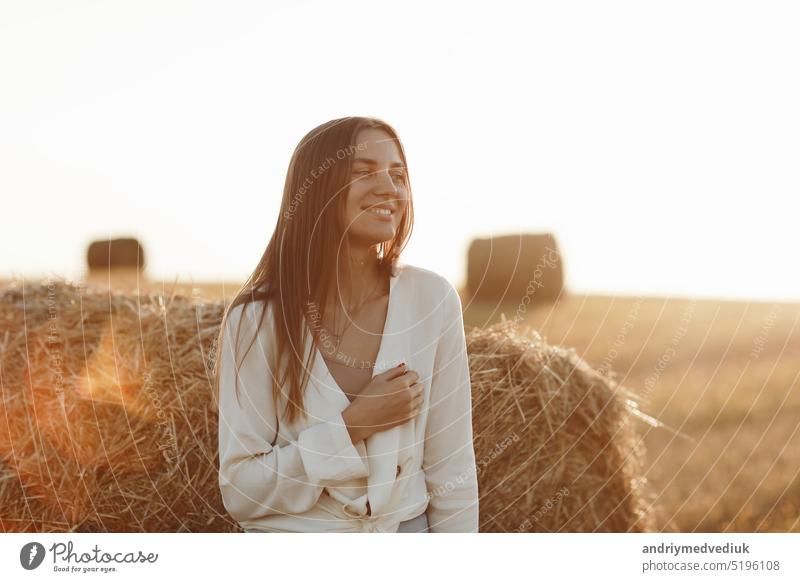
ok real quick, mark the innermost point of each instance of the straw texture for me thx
(108, 423)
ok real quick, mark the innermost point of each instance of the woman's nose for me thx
(386, 184)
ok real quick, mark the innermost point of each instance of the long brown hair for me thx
(299, 265)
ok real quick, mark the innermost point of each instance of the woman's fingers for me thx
(393, 373)
(409, 378)
(418, 399)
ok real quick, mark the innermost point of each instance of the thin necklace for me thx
(350, 317)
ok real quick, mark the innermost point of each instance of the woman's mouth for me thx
(381, 212)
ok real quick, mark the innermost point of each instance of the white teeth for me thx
(381, 211)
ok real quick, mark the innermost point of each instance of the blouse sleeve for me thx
(449, 456)
(256, 478)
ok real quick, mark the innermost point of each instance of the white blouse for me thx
(313, 478)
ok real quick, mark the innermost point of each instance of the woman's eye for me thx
(399, 176)
(361, 172)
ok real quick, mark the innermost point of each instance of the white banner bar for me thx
(329, 557)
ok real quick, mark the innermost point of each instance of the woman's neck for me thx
(359, 277)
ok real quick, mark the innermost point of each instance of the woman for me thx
(364, 421)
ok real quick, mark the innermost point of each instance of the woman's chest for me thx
(351, 381)
(352, 354)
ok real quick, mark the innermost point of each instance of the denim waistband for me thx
(417, 524)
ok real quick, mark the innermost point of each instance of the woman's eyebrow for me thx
(372, 162)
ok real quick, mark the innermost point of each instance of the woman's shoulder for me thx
(249, 312)
(428, 282)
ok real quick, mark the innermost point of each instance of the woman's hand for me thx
(390, 399)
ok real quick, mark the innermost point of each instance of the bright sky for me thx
(658, 140)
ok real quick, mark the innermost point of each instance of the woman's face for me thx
(378, 193)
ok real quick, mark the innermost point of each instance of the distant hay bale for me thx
(509, 268)
(108, 423)
(117, 253)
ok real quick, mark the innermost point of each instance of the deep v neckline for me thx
(389, 311)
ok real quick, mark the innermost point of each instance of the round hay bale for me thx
(110, 425)
(555, 444)
(115, 253)
(18, 511)
(508, 268)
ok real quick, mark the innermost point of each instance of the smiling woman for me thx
(378, 193)
(355, 400)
